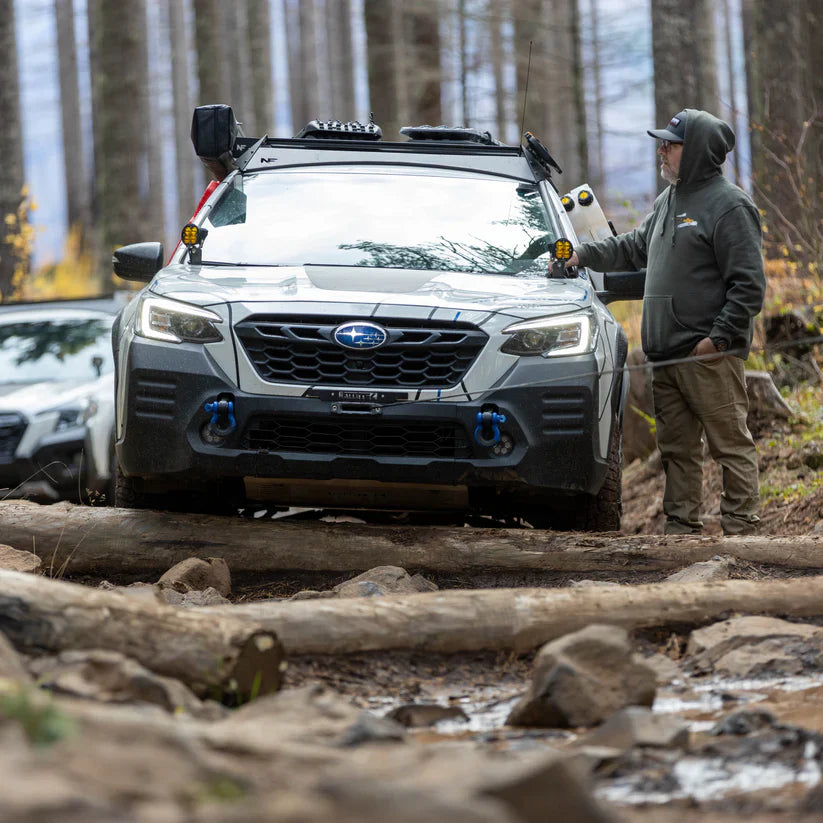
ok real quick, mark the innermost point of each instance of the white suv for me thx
(356, 323)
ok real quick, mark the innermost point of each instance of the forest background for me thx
(96, 99)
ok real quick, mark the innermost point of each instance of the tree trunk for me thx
(262, 75)
(74, 166)
(341, 60)
(685, 67)
(597, 175)
(11, 139)
(382, 56)
(422, 73)
(182, 110)
(786, 121)
(308, 102)
(494, 14)
(118, 75)
(212, 654)
(234, 33)
(517, 620)
(731, 79)
(211, 74)
(154, 133)
(107, 541)
(529, 18)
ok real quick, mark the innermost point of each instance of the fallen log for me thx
(215, 655)
(516, 620)
(107, 541)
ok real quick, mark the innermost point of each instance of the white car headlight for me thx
(552, 336)
(70, 417)
(160, 318)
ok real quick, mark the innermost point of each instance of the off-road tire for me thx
(126, 495)
(602, 512)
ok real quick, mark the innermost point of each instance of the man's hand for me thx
(574, 260)
(704, 346)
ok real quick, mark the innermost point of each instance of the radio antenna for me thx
(526, 93)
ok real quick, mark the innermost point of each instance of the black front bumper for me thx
(552, 423)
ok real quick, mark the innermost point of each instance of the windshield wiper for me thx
(250, 265)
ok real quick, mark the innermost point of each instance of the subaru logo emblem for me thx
(360, 335)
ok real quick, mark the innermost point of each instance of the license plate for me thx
(355, 396)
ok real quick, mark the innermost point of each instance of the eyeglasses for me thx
(665, 145)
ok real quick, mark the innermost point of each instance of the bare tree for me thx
(340, 58)
(786, 111)
(382, 58)
(152, 124)
(307, 104)
(77, 180)
(181, 109)
(262, 75)
(494, 17)
(11, 138)
(236, 66)
(211, 73)
(118, 82)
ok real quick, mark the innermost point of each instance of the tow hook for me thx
(487, 432)
(222, 422)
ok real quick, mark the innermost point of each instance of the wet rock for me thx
(745, 721)
(19, 561)
(369, 728)
(718, 568)
(425, 714)
(112, 677)
(194, 574)
(383, 580)
(639, 726)
(560, 785)
(583, 678)
(11, 662)
(754, 646)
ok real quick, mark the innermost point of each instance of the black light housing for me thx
(214, 132)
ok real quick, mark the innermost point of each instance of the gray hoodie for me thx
(701, 247)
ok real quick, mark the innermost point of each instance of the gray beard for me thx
(667, 174)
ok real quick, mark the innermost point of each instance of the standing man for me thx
(701, 247)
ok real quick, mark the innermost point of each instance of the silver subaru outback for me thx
(354, 323)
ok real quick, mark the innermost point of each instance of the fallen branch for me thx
(516, 620)
(213, 654)
(106, 541)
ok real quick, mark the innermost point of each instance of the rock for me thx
(112, 677)
(383, 580)
(665, 668)
(718, 568)
(582, 678)
(15, 560)
(311, 594)
(558, 785)
(11, 663)
(753, 646)
(765, 401)
(744, 722)
(194, 574)
(369, 728)
(638, 726)
(586, 584)
(425, 714)
(207, 597)
(814, 460)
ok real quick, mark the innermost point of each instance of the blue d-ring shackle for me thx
(486, 420)
(219, 407)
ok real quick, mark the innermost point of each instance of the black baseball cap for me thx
(674, 132)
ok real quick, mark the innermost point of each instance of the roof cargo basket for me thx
(449, 133)
(335, 130)
(214, 131)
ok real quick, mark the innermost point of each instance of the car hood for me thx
(520, 296)
(39, 396)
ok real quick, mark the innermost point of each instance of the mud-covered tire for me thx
(602, 512)
(126, 495)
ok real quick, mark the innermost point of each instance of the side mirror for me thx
(624, 285)
(139, 261)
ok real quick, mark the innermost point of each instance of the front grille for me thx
(564, 412)
(419, 354)
(367, 437)
(12, 427)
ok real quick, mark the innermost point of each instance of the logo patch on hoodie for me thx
(683, 220)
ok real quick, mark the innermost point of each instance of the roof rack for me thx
(450, 133)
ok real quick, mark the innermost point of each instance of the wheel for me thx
(222, 499)
(601, 512)
(586, 512)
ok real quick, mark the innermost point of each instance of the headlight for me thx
(162, 319)
(70, 417)
(552, 336)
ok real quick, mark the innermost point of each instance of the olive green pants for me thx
(694, 399)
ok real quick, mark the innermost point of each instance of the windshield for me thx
(76, 348)
(388, 218)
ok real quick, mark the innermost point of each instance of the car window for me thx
(77, 348)
(376, 218)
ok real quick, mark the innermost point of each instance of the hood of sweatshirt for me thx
(707, 141)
